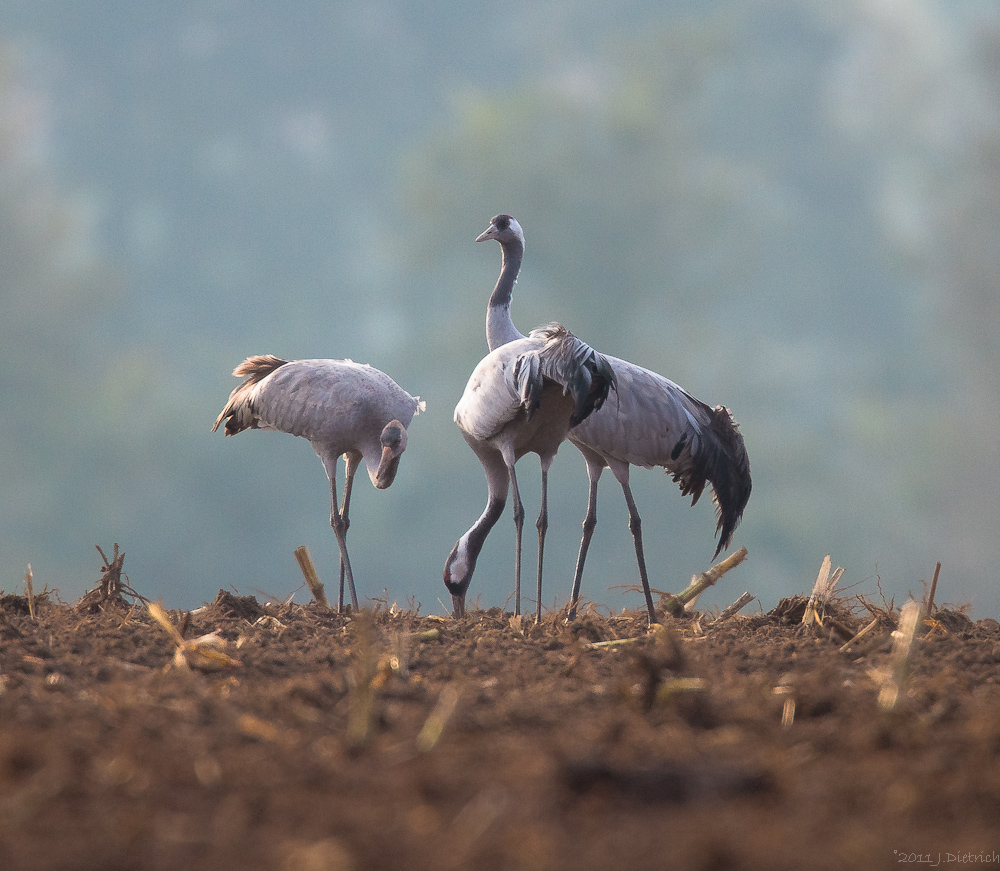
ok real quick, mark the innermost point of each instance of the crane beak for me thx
(489, 233)
(386, 472)
(458, 600)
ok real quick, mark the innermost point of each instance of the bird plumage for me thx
(657, 423)
(651, 422)
(509, 384)
(522, 398)
(343, 408)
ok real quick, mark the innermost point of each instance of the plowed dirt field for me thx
(390, 740)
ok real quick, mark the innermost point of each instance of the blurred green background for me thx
(787, 206)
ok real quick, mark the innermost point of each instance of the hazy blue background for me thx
(789, 207)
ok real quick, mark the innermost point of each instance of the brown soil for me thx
(399, 741)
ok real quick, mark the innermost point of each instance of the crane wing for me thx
(511, 378)
(490, 400)
(329, 401)
(655, 422)
(650, 421)
(583, 373)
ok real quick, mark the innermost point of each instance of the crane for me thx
(653, 422)
(343, 408)
(522, 398)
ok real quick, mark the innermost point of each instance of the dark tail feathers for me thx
(568, 361)
(722, 461)
(238, 414)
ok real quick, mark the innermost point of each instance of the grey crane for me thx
(343, 408)
(653, 422)
(522, 398)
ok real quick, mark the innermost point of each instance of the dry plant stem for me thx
(30, 591)
(788, 706)
(860, 635)
(111, 583)
(400, 657)
(733, 609)
(930, 598)
(821, 579)
(362, 675)
(822, 589)
(675, 605)
(615, 642)
(433, 728)
(159, 614)
(788, 713)
(671, 688)
(902, 647)
(837, 575)
(114, 584)
(309, 573)
(204, 654)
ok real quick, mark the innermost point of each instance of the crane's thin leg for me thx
(518, 526)
(635, 526)
(542, 525)
(340, 531)
(589, 525)
(352, 467)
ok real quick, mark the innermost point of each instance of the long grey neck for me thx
(497, 484)
(500, 328)
(476, 537)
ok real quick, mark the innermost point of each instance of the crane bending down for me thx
(343, 408)
(654, 422)
(522, 398)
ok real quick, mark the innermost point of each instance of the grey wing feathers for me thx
(586, 375)
(655, 422)
(510, 379)
(239, 413)
(490, 401)
(325, 400)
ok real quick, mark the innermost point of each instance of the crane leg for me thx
(635, 527)
(542, 525)
(518, 527)
(339, 525)
(352, 467)
(589, 525)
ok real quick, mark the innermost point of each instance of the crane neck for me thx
(500, 327)
(476, 537)
(466, 552)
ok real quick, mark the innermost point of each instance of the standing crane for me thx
(654, 422)
(522, 398)
(343, 408)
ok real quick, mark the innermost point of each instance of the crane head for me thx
(503, 228)
(393, 441)
(458, 570)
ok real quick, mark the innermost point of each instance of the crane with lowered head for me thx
(343, 408)
(653, 422)
(522, 398)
